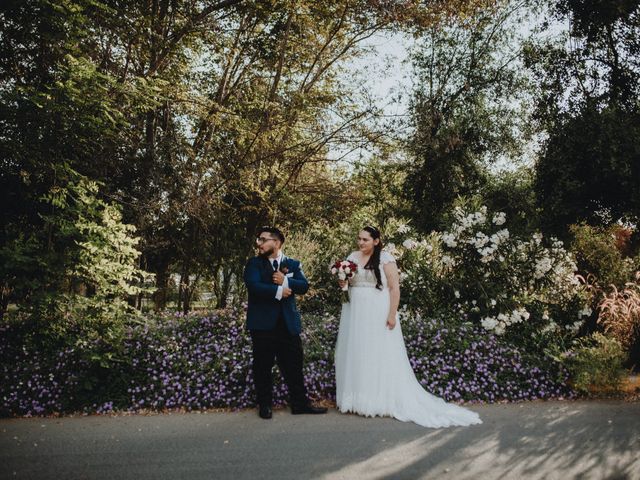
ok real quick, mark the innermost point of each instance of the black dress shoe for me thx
(265, 411)
(307, 409)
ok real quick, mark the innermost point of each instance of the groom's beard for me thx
(267, 253)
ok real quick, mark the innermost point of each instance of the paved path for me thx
(537, 440)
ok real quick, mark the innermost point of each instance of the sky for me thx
(383, 71)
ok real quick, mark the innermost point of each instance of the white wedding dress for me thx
(373, 373)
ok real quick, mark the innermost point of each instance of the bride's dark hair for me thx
(374, 261)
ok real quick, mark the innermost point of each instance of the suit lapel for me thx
(267, 269)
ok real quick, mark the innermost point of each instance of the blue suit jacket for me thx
(264, 309)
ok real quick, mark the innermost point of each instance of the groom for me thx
(273, 320)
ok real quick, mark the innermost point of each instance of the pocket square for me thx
(289, 274)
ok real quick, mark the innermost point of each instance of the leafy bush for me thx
(598, 255)
(595, 363)
(76, 273)
(517, 287)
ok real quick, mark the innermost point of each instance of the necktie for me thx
(275, 265)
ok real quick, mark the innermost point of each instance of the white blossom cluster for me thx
(516, 275)
(499, 218)
(543, 265)
(486, 246)
(410, 244)
(403, 228)
(500, 322)
(464, 222)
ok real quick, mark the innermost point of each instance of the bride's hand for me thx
(342, 283)
(391, 322)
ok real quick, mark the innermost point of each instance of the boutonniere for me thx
(283, 267)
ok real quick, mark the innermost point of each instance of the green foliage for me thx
(597, 254)
(77, 272)
(518, 287)
(512, 192)
(589, 169)
(586, 107)
(467, 110)
(595, 364)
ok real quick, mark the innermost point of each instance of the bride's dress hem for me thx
(444, 423)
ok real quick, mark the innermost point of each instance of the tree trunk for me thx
(160, 295)
(5, 292)
(180, 292)
(186, 283)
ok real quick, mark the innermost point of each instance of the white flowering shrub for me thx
(524, 287)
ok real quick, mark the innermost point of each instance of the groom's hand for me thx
(278, 278)
(286, 292)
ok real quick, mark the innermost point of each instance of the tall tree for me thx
(588, 108)
(202, 119)
(467, 108)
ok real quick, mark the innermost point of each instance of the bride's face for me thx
(366, 242)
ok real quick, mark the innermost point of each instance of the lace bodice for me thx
(365, 277)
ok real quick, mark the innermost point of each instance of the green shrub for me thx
(519, 287)
(596, 254)
(595, 363)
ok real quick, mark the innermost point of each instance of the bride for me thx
(373, 373)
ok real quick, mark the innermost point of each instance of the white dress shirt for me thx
(285, 283)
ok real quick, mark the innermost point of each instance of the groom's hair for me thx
(276, 232)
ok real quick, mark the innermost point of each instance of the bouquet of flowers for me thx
(344, 269)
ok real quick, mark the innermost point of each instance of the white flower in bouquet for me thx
(344, 269)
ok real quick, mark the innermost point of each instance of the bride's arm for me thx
(393, 283)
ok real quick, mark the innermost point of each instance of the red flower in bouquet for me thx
(344, 270)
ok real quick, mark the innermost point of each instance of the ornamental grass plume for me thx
(620, 312)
